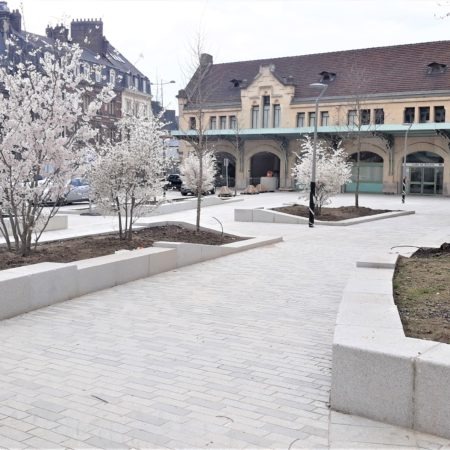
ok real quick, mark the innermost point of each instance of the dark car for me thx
(173, 182)
(185, 191)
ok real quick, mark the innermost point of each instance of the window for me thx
(255, 116)
(312, 119)
(351, 117)
(233, 122)
(98, 74)
(112, 77)
(409, 115)
(266, 111)
(192, 123)
(129, 106)
(223, 122)
(324, 118)
(434, 68)
(326, 77)
(424, 114)
(300, 120)
(365, 116)
(136, 83)
(213, 123)
(276, 115)
(137, 107)
(439, 114)
(87, 71)
(379, 116)
(111, 108)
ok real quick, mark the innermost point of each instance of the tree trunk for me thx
(199, 190)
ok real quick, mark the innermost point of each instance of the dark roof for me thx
(112, 58)
(369, 71)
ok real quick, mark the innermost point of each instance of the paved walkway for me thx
(231, 353)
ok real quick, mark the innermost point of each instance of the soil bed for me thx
(422, 293)
(69, 250)
(331, 214)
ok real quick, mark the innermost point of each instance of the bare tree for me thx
(196, 97)
(359, 122)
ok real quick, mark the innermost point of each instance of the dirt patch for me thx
(69, 250)
(331, 214)
(422, 293)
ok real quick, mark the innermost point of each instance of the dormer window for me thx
(236, 83)
(435, 67)
(326, 77)
(112, 77)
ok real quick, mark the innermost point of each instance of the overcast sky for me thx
(161, 31)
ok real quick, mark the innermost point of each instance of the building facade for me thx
(392, 100)
(101, 62)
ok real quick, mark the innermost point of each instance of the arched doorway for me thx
(370, 173)
(424, 172)
(226, 165)
(263, 164)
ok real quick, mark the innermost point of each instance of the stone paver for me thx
(231, 353)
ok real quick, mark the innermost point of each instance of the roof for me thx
(369, 71)
(112, 58)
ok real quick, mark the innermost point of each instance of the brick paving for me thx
(231, 353)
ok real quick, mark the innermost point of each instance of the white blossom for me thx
(190, 171)
(129, 174)
(44, 134)
(332, 171)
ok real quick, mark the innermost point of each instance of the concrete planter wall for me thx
(270, 216)
(27, 288)
(378, 372)
(58, 222)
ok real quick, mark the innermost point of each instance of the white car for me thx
(78, 191)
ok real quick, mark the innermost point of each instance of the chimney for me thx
(4, 17)
(88, 33)
(16, 20)
(58, 32)
(205, 59)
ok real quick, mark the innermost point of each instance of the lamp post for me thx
(404, 163)
(312, 191)
(161, 84)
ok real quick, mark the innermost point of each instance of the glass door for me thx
(425, 180)
(415, 180)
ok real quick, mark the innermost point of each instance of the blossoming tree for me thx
(332, 171)
(127, 177)
(43, 135)
(196, 178)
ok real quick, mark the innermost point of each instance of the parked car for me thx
(187, 191)
(173, 182)
(78, 191)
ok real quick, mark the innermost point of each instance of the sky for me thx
(157, 35)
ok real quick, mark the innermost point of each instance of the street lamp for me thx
(312, 191)
(161, 84)
(404, 163)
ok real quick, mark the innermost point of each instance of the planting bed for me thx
(331, 214)
(75, 249)
(422, 293)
